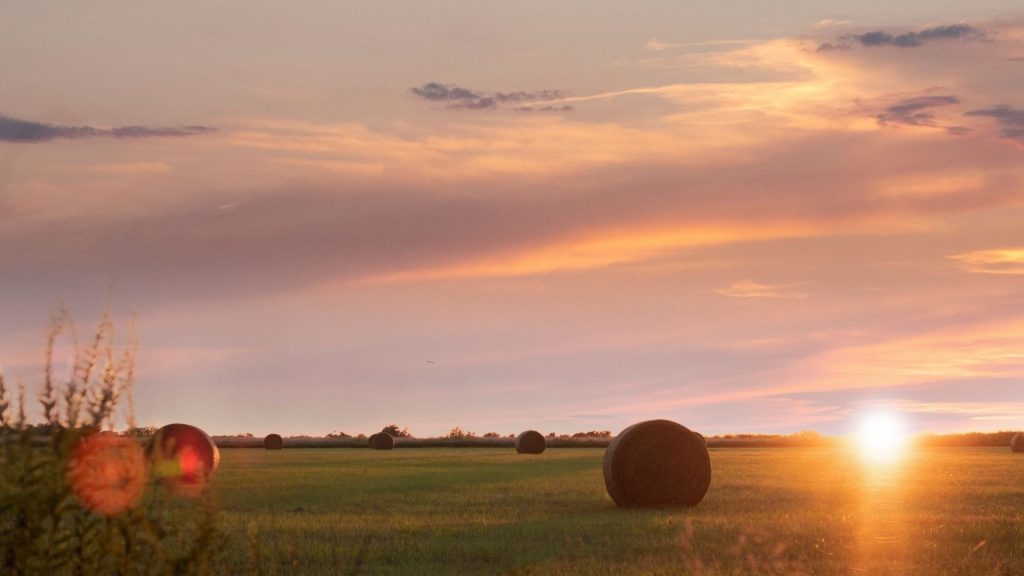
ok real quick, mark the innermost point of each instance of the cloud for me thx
(146, 132)
(751, 289)
(562, 108)
(917, 111)
(976, 410)
(437, 92)
(458, 97)
(1011, 120)
(997, 261)
(656, 45)
(829, 47)
(915, 39)
(528, 96)
(907, 39)
(968, 351)
(15, 130)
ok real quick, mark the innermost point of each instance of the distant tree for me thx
(552, 435)
(43, 429)
(593, 434)
(395, 432)
(806, 435)
(141, 431)
(337, 434)
(457, 433)
(492, 435)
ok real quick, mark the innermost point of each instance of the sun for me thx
(881, 436)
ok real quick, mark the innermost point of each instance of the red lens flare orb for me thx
(183, 457)
(107, 473)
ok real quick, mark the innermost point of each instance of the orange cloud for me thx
(996, 261)
(751, 289)
(979, 352)
(605, 249)
(970, 353)
(130, 168)
(1013, 411)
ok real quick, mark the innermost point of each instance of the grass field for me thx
(490, 511)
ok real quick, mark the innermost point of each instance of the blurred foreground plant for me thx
(79, 501)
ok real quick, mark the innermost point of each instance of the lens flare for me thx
(107, 473)
(881, 436)
(183, 458)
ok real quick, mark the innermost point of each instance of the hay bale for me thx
(1017, 443)
(530, 442)
(184, 457)
(381, 441)
(273, 442)
(701, 436)
(657, 463)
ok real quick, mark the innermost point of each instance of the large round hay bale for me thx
(657, 463)
(183, 457)
(381, 441)
(273, 442)
(1017, 443)
(701, 436)
(530, 442)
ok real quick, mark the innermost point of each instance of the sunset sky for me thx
(332, 216)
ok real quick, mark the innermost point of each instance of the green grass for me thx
(490, 511)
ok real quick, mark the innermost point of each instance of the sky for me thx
(747, 217)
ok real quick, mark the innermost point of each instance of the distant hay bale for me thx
(657, 463)
(381, 441)
(530, 442)
(1017, 443)
(273, 442)
(184, 457)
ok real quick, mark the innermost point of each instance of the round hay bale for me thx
(184, 457)
(657, 463)
(1017, 443)
(273, 442)
(531, 442)
(701, 436)
(381, 441)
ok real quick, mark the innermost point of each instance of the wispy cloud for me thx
(15, 130)
(562, 108)
(966, 352)
(437, 92)
(657, 45)
(752, 289)
(919, 111)
(881, 38)
(998, 261)
(1010, 119)
(460, 98)
(974, 410)
(915, 39)
(126, 168)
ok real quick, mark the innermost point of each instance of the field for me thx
(490, 511)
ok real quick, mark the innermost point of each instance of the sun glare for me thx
(881, 436)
